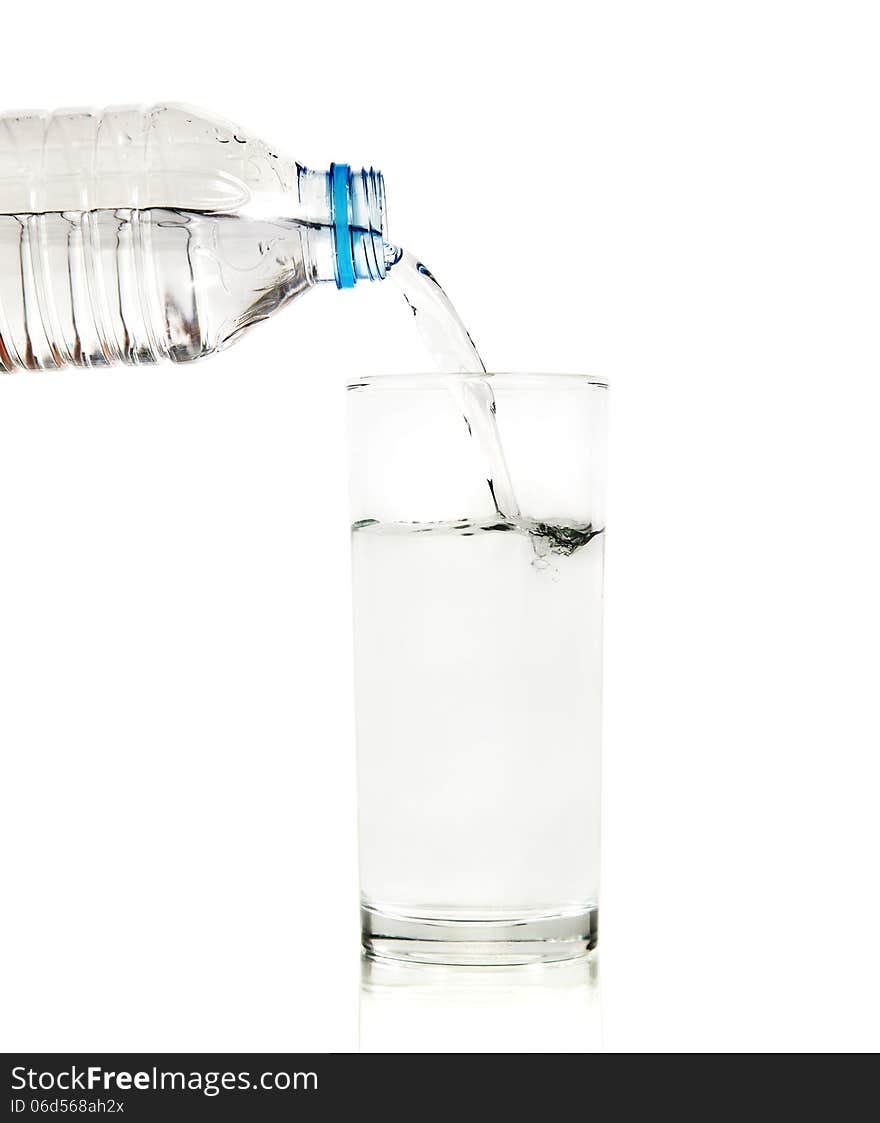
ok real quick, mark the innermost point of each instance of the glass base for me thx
(536, 938)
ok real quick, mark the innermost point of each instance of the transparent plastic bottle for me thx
(137, 234)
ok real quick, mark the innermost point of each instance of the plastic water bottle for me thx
(138, 234)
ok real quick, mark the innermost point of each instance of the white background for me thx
(681, 197)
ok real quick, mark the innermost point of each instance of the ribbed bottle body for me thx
(137, 234)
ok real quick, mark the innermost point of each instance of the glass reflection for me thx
(429, 1008)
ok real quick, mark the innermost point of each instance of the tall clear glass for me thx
(478, 663)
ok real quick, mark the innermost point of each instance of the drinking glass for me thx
(477, 553)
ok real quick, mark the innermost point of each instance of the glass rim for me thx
(413, 381)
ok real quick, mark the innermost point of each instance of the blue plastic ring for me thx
(345, 276)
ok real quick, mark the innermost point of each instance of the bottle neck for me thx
(344, 211)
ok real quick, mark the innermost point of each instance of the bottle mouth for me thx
(358, 210)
